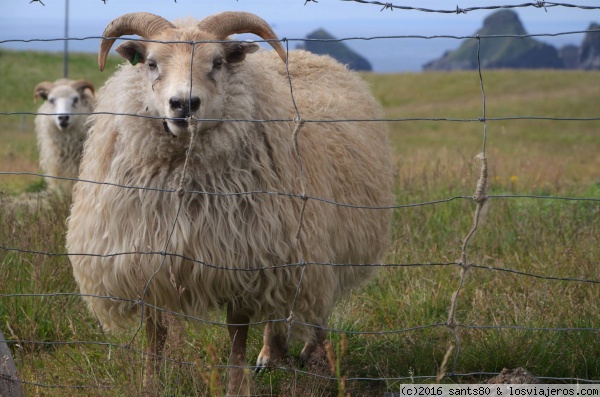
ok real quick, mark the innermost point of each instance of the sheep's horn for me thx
(81, 85)
(44, 86)
(230, 22)
(142, 24)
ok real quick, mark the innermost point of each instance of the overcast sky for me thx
(294, 19)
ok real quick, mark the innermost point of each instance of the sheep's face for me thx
(65, 103)
(179, 87)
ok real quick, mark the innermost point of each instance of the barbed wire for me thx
(538, 4)
(459, 10)
(481, 198)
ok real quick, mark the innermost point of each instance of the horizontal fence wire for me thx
(464, 264)
(396, 119)
(323, 40)
(300, 196)
(276, 267)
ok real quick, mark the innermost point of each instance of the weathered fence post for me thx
(10, 384)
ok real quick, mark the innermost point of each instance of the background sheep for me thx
(346, 162)
(60, 136)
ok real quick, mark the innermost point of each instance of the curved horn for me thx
(42, 90)
(230, 22)
(81, 85)
(142, 24)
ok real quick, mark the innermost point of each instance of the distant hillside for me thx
(589, 52)
(570, 56)
(502, 52)
(336, 49)
(586, 56)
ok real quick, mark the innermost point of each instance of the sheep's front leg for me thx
(274, 350)
(156, 336)
(237, 325)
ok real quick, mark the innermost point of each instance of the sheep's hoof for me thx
(263, 362)
(260, 368)
(313, 355)
(273, 353)
(271, 359)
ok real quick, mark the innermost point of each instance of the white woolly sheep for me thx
(61, 132)
(214, 224)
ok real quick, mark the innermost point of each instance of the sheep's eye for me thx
(152, 64)
(51, 100)
(217, 63)
(75, 100)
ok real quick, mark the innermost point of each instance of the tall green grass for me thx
(434, 160)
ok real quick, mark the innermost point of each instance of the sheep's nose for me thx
(63, 120)
(184, 106)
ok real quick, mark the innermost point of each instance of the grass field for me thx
(61, 350)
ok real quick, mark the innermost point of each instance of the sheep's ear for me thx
(42, 90)
(82, 85)
(236, 52)
(133, 51)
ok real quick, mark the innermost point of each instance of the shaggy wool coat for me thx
(231, 236)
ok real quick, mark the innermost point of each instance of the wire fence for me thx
(465, 265)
